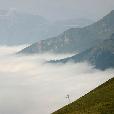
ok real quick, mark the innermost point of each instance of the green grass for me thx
(98, 101)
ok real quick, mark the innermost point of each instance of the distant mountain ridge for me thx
(23, 28)
(98, 101)
(75, 39)
(19, 28)
(101, 55)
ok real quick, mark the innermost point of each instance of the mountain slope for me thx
(101, 55)
(56, 28)
(98, 101)
(75, 39)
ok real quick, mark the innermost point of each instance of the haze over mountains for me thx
(16, 27)
(21, 28)
(75, 39)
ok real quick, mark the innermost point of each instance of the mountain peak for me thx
(109, 16)
(112, 12)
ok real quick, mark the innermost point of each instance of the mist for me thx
(30, 86)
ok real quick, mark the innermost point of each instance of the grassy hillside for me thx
(98, 101)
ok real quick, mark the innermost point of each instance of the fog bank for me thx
(28, 86)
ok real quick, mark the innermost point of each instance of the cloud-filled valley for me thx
(30, 86)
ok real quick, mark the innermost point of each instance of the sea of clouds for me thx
(28, 85)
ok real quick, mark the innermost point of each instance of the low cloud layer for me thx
(28, 86)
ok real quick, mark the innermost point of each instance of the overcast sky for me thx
(61, 9)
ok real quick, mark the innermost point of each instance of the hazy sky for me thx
(60, 9)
